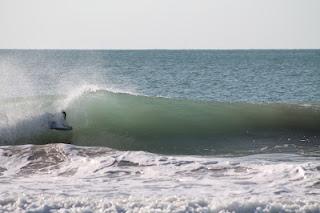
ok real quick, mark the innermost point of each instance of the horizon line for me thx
(168, 49)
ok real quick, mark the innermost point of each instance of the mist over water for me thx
(175, 127)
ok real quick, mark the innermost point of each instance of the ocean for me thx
(160, 131)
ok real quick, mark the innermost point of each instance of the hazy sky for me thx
(160, 24)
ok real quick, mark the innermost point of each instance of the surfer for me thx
(59, 123)
(64, 115)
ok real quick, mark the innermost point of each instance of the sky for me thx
(159, 24)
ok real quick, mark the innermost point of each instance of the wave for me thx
(134, 122)
(98, 179)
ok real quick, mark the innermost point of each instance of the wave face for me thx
(132, 122)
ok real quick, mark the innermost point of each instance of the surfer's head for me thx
(64, 115)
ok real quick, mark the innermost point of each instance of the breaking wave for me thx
(90, 179)
(133, 122)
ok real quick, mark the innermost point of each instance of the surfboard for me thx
(62, 128)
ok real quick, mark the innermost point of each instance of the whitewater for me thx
(160, 131)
